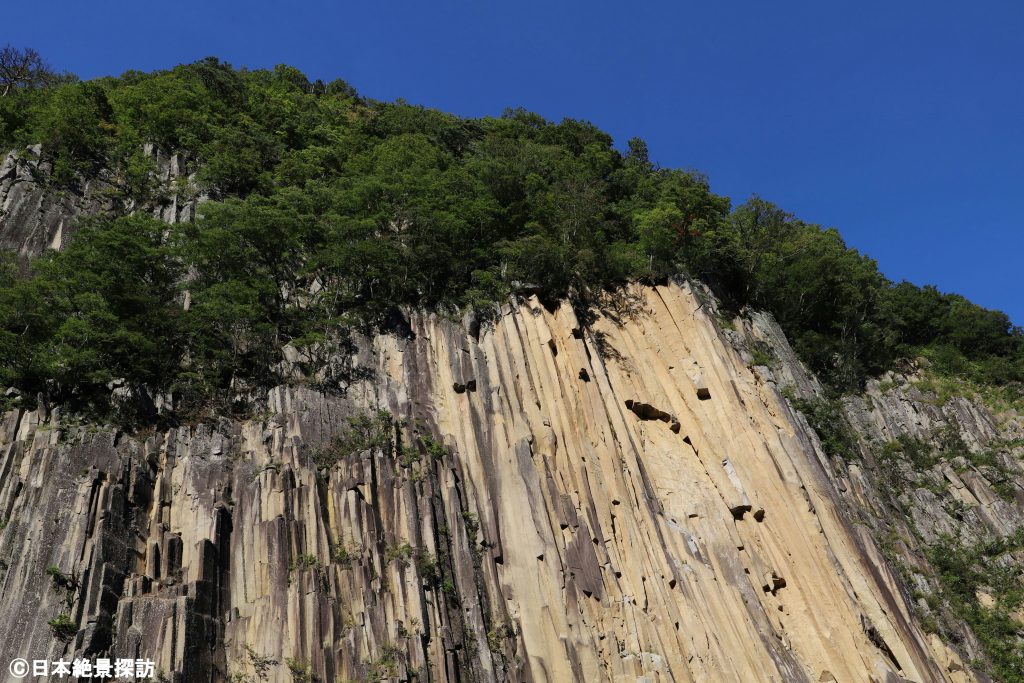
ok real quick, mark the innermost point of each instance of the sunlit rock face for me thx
(621, 497)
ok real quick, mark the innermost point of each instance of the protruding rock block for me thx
(696, 375)
(773, 583)
(739, 503)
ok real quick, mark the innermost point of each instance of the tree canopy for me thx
(329, 210)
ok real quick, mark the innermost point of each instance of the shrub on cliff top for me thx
(330, 209)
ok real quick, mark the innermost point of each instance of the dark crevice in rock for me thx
(645, 411)
(878, 641)
(774, 585)
(739, 510)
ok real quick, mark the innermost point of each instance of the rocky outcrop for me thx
(929, 473)
(542, 500)
(36, 215)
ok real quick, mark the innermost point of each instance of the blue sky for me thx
(900, 123)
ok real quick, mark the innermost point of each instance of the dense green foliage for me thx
(825, 417)
(965, 570)
(331, 211)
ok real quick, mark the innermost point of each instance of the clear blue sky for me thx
(901, 123)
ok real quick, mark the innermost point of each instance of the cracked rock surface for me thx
(35, 216)
(626, 500)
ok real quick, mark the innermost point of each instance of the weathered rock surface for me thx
(35, 216)
(928, 473)
(539, 526)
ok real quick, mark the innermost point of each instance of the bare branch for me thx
(23, 68)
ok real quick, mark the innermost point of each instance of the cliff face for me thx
(35, 217)
(934, 474)
(962, 487)
(544, 500)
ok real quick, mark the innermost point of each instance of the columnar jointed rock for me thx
(925, 475)
(533, 527)
(35, 216)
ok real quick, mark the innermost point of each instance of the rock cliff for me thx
(621, 497)
(35, 216)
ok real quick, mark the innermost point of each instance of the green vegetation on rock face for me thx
(330, 211)
(364, 432)
(979, 585)
(63, 627)
(825, 416)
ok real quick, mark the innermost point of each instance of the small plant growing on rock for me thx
(364, 432)
(301, 671)
(498, 634)
(344, 555)
(411, 631)
(494, 640)
(304, 561)
(60, 579)
(760, 354)
(260, 664)
(472, 525)
(408, 455)
(434, 448)
(400, 554)
(826, 417)
(63, 628)
(386, 665)
(450, 591)
(426, 567)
